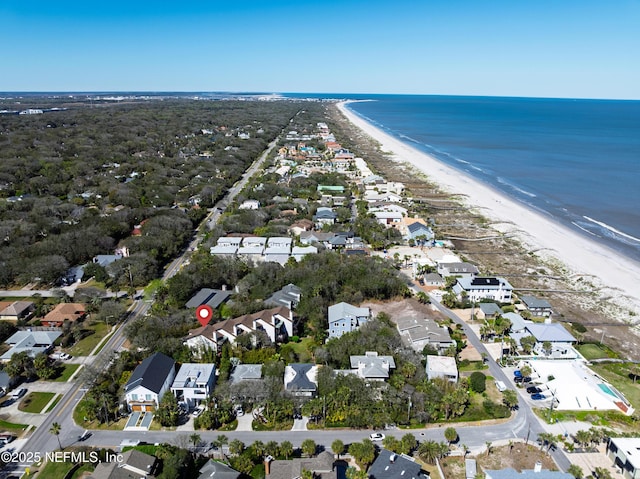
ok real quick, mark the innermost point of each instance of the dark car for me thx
(517, 373)
(533, 390)
(518, 379)
(526, 379)
(84, 436)
(538, 396)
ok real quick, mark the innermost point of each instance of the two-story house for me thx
(194, 383)
(149, 381)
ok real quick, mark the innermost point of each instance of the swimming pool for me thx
(608, 390)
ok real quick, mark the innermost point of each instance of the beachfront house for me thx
(459, 269)
(553, 334)
(540, 308)
(625, 454)
(479, 288)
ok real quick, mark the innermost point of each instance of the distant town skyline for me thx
(570, 49)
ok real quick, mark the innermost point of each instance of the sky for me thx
(544, 48)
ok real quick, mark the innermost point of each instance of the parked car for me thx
(238, 410)
(517, 373)
(518, 379)
(199, 410)
(65, 356)
(533, 390)
(526, 379)
(376, 436)
(18, 393)
(6, 439)
(538, 396)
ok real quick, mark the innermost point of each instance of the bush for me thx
(477, 382)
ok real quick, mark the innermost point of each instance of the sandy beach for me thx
(617, 276)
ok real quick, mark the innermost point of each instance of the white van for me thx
(501, 386)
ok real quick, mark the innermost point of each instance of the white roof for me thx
(445, 364)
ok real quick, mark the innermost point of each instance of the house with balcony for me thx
(149, 381)
(460, 269)
(193, 383)
(479, 288)
(540, 308)
(344, 318)
(625, 454)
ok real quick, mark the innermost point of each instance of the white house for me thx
(249, 205)
(478, 288)
(625, 454)
(344, 318)
(442, 367)
(149, 381)
(461, 269)
(371, 366)
(194, 383)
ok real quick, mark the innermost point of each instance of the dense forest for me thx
(88, 177)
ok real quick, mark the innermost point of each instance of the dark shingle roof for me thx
(151, 373)
(210, 297)
(300, 381)
(401, 466)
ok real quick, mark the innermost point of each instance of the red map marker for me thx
(204, 314)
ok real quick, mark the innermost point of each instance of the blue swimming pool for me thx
(608, 390)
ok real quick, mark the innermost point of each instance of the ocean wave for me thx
(411, 139)
(518, 189)
(586, 230)
(617, 233)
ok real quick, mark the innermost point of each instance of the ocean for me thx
(577, 161)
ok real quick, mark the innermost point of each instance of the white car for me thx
(376, 436)
(199, 410)
(65, 356)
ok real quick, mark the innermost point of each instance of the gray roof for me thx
(490, 309)
(423, 328)
(244, 372)
(139, 460)
(191, 374)
(210, 297)
(151, 373)
(517, 321)
(459, 267)
(510, 473)
(288, 296)
(470, 468)
(373, 365)
(393, 466)
(321, 465)
(484, 282)
(33, 342)
(298, 379)
(533, 302)
(217, 470)
(417, 226)
(345, 310)
(5, 381)
(553, 332)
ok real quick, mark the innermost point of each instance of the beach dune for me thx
(616, 275)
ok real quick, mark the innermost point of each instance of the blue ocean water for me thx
(576, 160)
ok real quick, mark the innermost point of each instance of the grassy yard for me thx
(12, 426)
(35, 402)
(54, 403)
(302, 349)
(618, 375)
(61, 469)
(591, 351)
(86, 345)
(67, 372)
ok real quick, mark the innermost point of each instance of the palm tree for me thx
(286, 449)
(55, 429)
(430, 451)
(195, 439)
(488, 444)
(576, 471)
(337, 447)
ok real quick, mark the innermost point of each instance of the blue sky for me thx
(551, 48)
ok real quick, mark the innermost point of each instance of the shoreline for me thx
(606, 268)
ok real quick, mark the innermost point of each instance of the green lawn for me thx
(618, 375)
(86, 345)
(35, 402)
(591, 351)
(67, 372)
(302, 349)
(54, 403)
(12, 426)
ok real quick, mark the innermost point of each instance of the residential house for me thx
(252, 247)
(536, 473)
(460, 269)
(625, 454)
(324, 216)
(217, 470)
(299, 252)
(225, 251)
(561, 340)
(209, 297)
(288, 296)
(442, 367)
(420, 332)
(419, 231)
(322, 467)
(277, 323)
(246, 372)
(300, 379)
(540, 308)
(344, 318)
(518, 323)
(389, 465)
(489, 310)
(479, 288)
(16, 310)
(149, 381)
(33, 342)
(388, 218)
(71, 312)
(311, 237)
(6, 382)
(229, 241)
(300, 226)
(278, 249)
(371, 366)
(433, 280)
(132, 464)
(193, 383)
(249, 205)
